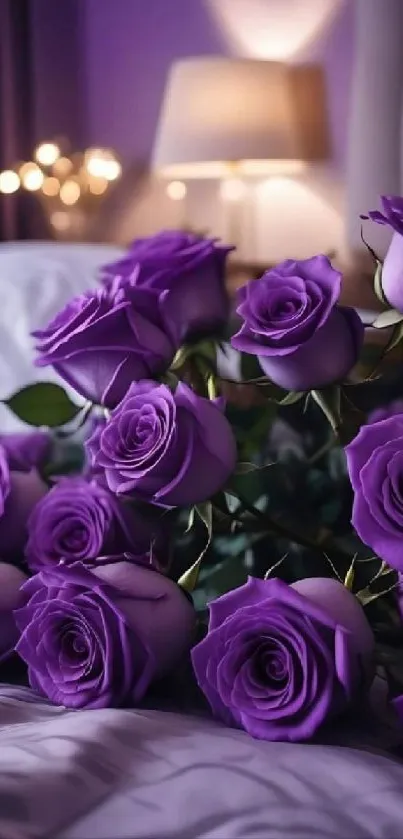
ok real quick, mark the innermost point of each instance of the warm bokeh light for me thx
(47, 153)
(31, 176)
(176, 190)
(97, 186)
(60, 221)
(276, 30)
(70, 192)
(112, 170)
(102, 163)
(50, 187)
(232, 189)
(62, 167)
(9, 182)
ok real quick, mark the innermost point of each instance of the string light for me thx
(112, 170)
(50, 187)
(31, 176)
(60, 221)
(62, 167)
(47, 153)
(101, 163)
(66, 184)
(97, 186)
(176, 190)
(70, 192)
(9, 182)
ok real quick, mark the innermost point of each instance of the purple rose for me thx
(392, 269)
(79, 521)
(278, 661)
(386, 411)
(375, 465)
(11, 580)
(103, 340)
(19, 493)
(190, 274)
(291, 322)
(392, 215)
(98, 639)
(392, 273)
(167, 448)
(25, 450)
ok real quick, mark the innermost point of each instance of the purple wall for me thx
(129, 47)
(335, 51)
(130, 44)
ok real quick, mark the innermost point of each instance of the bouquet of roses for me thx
(122, 505)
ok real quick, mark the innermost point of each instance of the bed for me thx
(149, 774)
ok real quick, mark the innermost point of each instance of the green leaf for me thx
(43, 404)
(365, 596)
(349, 578)
(205, 512)
(378, 284)
(328, 400)
(395, 338)
(204, 351)
(189, 579)
(292, 397)
(387, 319)
(190, 520)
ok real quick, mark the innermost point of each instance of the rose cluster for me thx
(99, 620)
(375, 456)
(91, 608)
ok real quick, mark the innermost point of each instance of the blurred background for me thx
(273, 123)
(270, 123)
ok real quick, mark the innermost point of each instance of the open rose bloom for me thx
(280, 661)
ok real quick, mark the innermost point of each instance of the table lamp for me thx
(235, 118)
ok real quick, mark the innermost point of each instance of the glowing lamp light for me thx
(232, 189)
(70, 192)
(31, 176)
(47, 153)
(176, 190)
(233, 117)
(278, 30)
(9, 182)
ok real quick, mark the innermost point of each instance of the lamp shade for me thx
(218, 111)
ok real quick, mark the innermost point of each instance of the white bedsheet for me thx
(36, 280)
(112, 774)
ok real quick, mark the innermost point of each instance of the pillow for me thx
(36, 280)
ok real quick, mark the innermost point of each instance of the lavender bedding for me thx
(150, 774)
